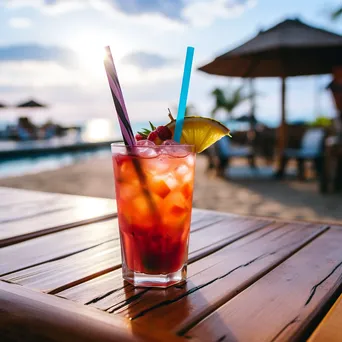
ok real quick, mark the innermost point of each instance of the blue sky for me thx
(52, 50)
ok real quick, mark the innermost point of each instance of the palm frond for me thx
(336, 14)
(229, 99)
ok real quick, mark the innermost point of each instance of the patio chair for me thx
(312, 148)
(225, 151)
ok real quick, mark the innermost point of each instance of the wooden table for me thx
(249, 279)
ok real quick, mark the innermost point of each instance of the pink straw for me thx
(125, 125)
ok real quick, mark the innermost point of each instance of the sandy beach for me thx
(258, 197)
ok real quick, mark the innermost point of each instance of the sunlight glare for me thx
(91, 58)
(91, 55)
(97, 130)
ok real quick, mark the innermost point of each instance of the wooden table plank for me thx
(248, 279)
(67, 242)
(330, 329)
(281, 305)
(112, 288)
(56, 246)
(219, 234)
(12, 196)
(67, 271)
(215, 280)
(27, 315)
(211, 281)
(36, 214)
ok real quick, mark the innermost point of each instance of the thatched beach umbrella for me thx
(291, 48)
(30, 104)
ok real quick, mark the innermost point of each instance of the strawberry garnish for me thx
(164, 133)
(152, 136)
(155, 134)
(144, 133)
(139, 137)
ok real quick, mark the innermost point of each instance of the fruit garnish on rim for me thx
(161, 133)
(199, 131)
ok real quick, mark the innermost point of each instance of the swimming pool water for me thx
(29, 165)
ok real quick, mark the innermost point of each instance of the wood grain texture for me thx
(219, 234)
(217, 279)
(36, 214)
(55, 275)
(211, 281)
(330, 329)
(67, 242)
(56, 246)
(31, 316)
(280, 305)
(11, 196)
(106, 291)
(71, 270)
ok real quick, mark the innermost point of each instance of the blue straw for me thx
(184, 93)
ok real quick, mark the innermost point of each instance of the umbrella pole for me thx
(282, 131)
(252, 101)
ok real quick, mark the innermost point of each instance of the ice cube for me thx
(159, 187)
(146, 149)
(145, 143)
(128, 191)
(179, 152)
(182, 170)
(148, 152)
(171, 181)
(183, 173)
(175, 208)
(158, 167)
(170, 142)
(190, 160)
(174, 149)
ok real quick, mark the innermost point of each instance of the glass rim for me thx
(153, 146)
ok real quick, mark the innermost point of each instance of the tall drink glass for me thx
(154, 187)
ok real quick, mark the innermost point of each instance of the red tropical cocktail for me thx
(154, 186)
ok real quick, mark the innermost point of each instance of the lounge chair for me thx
(312, 148)
(225, 151)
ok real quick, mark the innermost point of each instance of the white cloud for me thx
(204, 13)
(153, 20)
(48, 7)
(20, 23)
(39, 74)
(132, 76)
(157, 13)
(59, 7)
(147, 60)
(74, 95)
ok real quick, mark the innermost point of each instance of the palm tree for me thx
(337, 13)
(190, 110)
(228, 100)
